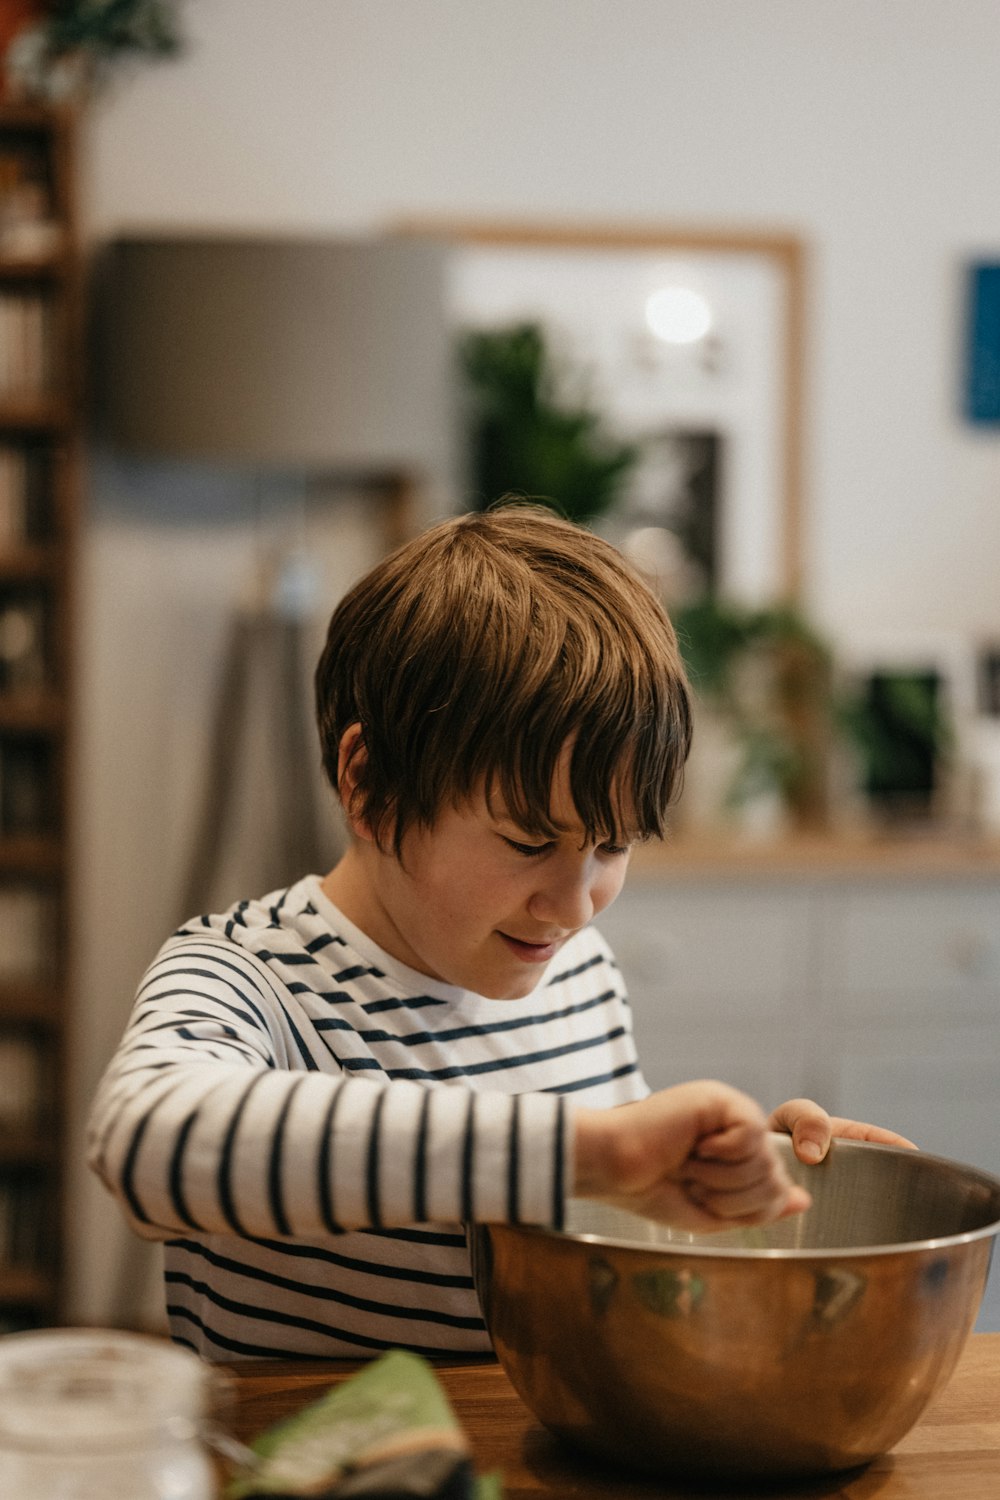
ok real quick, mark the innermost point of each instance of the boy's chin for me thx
(512, 989)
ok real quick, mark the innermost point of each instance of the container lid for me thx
(87, 1389)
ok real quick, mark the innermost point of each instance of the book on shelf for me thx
(27, 933)
(26, 789)
(26, 476)
(29, 228)
(23, 619)
(20, 1084)
(25, 345)
(21, 1232)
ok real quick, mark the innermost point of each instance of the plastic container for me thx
(90, 1414)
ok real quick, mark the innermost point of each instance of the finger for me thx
(733, 1176)
(741, 1141)
(675, 1207)
(798, 1202)
(760, 1186)
(672, 1205)
(812, 1129)
(809, 1126)
(762, 1203)
(857, 1130)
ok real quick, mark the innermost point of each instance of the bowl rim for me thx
(792, 1252)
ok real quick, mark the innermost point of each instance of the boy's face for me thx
(477, 902)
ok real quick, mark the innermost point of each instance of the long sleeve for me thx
(200, 1123)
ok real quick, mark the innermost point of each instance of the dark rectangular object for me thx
(982, 390)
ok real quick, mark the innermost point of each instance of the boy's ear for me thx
(351, 759)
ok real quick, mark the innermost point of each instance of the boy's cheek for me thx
(608, 890)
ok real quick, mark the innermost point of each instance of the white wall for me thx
(868, 128)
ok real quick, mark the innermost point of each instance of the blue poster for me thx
(982, 393)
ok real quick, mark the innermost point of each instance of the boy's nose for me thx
(566, 900)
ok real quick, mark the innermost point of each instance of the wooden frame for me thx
(785, 252)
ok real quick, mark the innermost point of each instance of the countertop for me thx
(954, 1450)
(841, 855)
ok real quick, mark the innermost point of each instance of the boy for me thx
(316, 1089)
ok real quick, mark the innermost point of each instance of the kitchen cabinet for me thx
(870, 982)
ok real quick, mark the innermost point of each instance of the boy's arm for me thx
(201, 1124)
(196, 1143)
(187, 1141)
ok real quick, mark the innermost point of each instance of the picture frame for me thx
(910, 702)
(746, 383)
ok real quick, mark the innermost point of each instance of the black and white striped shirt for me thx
(307, 1123)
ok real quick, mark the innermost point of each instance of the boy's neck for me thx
(353, 888)
(347, 887)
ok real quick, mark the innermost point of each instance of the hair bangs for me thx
(629, 734)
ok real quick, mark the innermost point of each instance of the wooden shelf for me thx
(24, 114)
(28, 562)
(40, 855)
(34, 414)
(27, 1151)
(24, 1286)
(18, 270)
(30, 1001)
(33, 712)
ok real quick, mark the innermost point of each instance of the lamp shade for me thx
(329, 355)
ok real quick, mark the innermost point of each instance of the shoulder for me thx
(287, 910)
(280, 927)
(263, 942)
(291, 945)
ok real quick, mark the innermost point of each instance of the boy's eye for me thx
(532, 851)
(529, 850)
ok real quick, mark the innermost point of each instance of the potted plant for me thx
(71, 49)
(765, 676)
(902, 736)
(528, 436)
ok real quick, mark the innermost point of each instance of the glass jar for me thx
(91, 1414)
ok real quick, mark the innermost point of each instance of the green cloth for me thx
(395, 1399)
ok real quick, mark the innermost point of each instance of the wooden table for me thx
(954, 1451)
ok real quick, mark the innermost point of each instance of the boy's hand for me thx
(812, 1129)
(698, 1156)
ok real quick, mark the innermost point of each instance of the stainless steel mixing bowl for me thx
(800, 1349)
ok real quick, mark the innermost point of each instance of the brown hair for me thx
(473, 653)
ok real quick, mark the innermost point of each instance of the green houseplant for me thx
(527, 437)
(767, 675)
(902, 736)
(76, 45)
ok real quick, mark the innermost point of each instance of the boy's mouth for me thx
(533, 953)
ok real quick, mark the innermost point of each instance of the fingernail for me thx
(810, 1151)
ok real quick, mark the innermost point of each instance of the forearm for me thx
(223, 1147)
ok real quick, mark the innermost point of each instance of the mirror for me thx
(687, 346)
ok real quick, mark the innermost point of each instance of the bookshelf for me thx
(40, 416)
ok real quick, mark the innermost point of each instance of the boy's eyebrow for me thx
(548, 826)
(504, 815)
(624, 837)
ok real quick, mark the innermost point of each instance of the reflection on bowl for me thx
(800, 1349)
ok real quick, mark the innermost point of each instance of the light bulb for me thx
(678, 315)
